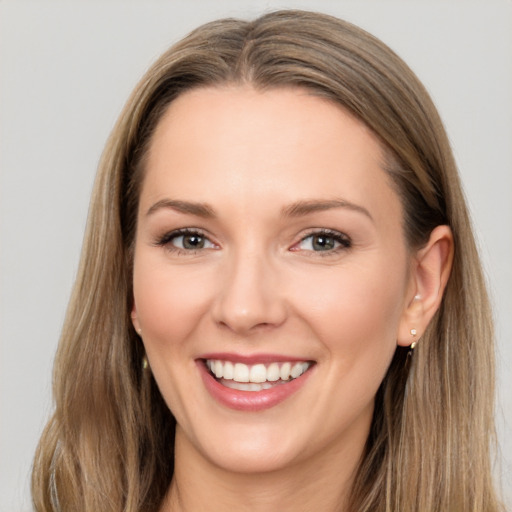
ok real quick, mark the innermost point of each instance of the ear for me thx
(135, 319)
(430, 271)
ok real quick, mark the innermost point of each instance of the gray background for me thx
(66, 69)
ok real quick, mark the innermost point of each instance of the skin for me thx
(259, 286)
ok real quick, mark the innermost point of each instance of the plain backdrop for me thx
(66, 69)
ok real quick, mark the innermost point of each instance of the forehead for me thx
(233, 144)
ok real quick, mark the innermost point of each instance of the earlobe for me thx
(135, 321)
(429, 275)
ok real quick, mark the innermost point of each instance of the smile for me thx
(256, 377)
(253, 383)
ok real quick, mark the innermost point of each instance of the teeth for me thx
(285, 371)
(258, 373)
(255, 377)
(273, 372)
(218, 369)
(297, 370)
(241, 373)
(229, 370)
(246, 386)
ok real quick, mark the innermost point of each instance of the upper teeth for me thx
(257, 373)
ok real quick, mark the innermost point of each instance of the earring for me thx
(413, 344)
(145, 363)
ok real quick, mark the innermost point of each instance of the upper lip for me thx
(252, 359)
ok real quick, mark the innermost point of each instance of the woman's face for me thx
(269, 249)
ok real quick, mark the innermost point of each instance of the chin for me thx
(240, 459)
(261, 450)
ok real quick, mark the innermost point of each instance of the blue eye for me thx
(190, 242)
(186, 240)
(324, 241)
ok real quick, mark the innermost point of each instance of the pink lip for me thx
(251, 359)
(250, 401)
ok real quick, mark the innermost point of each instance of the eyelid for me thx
(166, 239)
(341, 238)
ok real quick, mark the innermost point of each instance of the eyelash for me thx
(342, 239)
(338, 237)
(166, 240)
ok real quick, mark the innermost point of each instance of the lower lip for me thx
(250, 400)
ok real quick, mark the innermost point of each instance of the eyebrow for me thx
(301, 208)
(297, 209)
(199, 209)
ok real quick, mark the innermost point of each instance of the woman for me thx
(280, 305)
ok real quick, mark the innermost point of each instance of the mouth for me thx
(256, 377)
(258, 383)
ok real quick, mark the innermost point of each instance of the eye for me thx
(186, 240)
(191, 241)
(324, 241)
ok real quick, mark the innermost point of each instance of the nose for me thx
(250, 297)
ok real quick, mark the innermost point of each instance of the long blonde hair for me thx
(108, 445)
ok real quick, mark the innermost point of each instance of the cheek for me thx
(168, 302)
(355, 315)
(354, 308)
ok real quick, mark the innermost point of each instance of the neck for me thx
(320, 483)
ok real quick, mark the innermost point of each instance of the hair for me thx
(109, 444)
